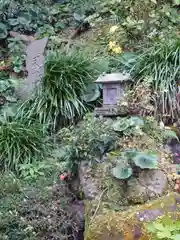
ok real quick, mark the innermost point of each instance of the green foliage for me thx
(129, 125)
(169, 134)
(7, 94)
(20, 143)
(176, 2)
(24, 18)
(139, 21)
(122, 172)
(161, 62)
(17, 63)
(124, 61)
(32, 171)
(9, 184)
(89, 141)
(35, 211)
(144, 160)
(3, 31)
(164, 228)
(17, 50)
(129, 159)
(152, 128)
(151, 22)
(92, 93)
(66, 89)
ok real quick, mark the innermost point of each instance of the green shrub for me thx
(161, 63)
(20, 143)
(89, 141)
(140, 21)
(92, 138)
(66, 90)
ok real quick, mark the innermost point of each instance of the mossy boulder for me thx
(97, 179)
(150, 184)
(146, 185)
(107, 224)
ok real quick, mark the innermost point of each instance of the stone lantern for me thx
(114, 86)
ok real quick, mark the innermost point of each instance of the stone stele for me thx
(34, 67)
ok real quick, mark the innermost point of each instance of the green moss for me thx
(112, 189)
(116, 223)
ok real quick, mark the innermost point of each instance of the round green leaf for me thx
(78, 17)
(120, 125)
(26, 16)
(92, 94)
(144, 160)
(169, 134)
(3, 31)
(136, 121)
(60, 25)
(23, 21)
(122, 172)
(13, 21)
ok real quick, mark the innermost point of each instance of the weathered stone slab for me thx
(106, 111)
(150, 184)
(34, 66)
(113, 78)
(89, 185)
(149, 215)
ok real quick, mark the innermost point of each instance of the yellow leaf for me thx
(113, 29)
(154, 1)
(117, 50)
(111, 44)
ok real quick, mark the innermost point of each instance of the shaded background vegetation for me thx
(34, 145)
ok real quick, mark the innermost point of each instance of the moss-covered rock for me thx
(150, 184)
(97, 182)
(103, 223)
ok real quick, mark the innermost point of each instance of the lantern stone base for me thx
(107, 111)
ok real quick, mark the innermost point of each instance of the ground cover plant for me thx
(20, 143)
(35, 211)
(166, 228)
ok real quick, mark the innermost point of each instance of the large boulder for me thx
(97, 182)
(88, 183)
(150, 184)
(107, 224)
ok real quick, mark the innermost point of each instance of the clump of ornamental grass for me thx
(161, 63)
(61, 96)
(20, 143)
